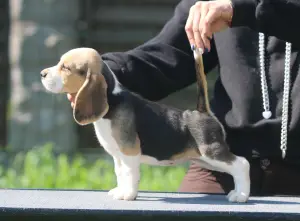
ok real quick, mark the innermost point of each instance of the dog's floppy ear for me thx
(91, 99)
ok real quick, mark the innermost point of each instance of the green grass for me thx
(40, 168)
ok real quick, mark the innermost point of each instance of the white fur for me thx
(239, 169)
(197, 53)
(53, 81)
(127, 168)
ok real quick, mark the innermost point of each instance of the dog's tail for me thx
(203, 105)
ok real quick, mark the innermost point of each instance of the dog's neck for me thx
(116, 93)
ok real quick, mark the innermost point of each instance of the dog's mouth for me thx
(53, 84)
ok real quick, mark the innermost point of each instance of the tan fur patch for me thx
(188, 153)
(126, 149)
(132, 151)
(75, 61)
(202, 78)
(79, 70)
(72, 83)
(91, 100)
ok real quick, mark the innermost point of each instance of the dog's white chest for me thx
(104, 134)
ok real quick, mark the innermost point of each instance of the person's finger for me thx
(196, 31)
(202, 23)
(212, 16)
(207, 31)
(210, 23)
(217, 24)
(189, 27)
(214, 21)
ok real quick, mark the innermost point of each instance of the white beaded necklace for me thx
(286, 90)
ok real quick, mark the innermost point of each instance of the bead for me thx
(267, 114)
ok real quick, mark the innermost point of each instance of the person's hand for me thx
(206, 18)
(71, 98)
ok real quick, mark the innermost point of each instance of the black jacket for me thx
(274, 17)
(165, 64)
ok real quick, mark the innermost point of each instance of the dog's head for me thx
(80, 71)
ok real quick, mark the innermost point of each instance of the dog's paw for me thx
(121, 194)
(130, 195)
(237, 196)
(115, 192)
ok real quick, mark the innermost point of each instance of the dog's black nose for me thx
(44, 73)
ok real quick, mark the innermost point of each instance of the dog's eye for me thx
(81, 72)
(64, 67)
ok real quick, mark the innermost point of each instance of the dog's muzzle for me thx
(51, 80)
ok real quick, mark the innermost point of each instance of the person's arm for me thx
(278, 18)
(162, 65)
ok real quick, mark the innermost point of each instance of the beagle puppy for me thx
(134, 130)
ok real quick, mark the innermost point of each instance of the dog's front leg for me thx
(127, 169)
(131, 175)
(117, 192)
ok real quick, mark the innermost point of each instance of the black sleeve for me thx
(278, 18)
(162, 65)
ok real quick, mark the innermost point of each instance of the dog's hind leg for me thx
(234, 165)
